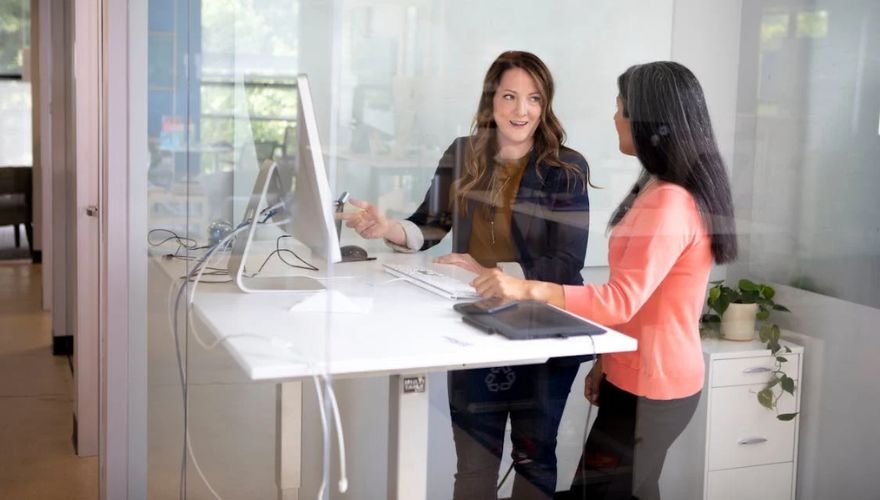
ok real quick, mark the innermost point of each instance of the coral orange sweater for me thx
(660, 259)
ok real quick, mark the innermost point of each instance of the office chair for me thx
(16, 198)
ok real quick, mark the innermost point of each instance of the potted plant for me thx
(733, 315)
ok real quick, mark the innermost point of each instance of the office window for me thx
(14, 36)
(15, 90)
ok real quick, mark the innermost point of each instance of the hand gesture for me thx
(462, 260)
(592, 381)
(368, 221)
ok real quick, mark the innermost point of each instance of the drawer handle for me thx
(754, 440)
(757, 369)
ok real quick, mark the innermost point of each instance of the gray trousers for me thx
(624, 453)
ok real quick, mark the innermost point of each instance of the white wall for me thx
(839, 446)
(429, 59)
(706, 39)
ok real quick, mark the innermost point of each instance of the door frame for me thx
(85, 228)
(110, 56)
(124, 248)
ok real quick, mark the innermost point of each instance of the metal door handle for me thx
(92, 211)
(752, 440)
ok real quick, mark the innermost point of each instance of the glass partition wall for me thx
(393, 83)
(221, 102)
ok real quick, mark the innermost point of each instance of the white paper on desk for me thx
(333, 302)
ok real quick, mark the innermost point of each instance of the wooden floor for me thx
(37, 459)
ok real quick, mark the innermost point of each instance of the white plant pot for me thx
(738, 322)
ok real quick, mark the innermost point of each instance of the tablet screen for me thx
(532, 320)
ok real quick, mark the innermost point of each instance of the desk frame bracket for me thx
(408, 437)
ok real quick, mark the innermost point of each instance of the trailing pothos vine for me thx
(748, 292)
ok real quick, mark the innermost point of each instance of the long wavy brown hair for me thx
(549, 134)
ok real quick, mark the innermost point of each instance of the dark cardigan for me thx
(550, 220)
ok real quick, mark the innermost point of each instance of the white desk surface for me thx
(406, 330)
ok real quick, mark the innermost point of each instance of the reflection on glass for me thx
(811, 204)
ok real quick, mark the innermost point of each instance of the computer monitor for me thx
(313, 205)
(307, 215)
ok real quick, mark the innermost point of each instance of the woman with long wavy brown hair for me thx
(513, 197)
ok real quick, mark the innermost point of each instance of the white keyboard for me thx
(435, 280)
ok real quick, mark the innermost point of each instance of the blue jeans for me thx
(480, 401)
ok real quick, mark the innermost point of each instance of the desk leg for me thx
(408, 437)
(288, 448)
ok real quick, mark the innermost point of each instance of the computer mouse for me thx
(353, 252)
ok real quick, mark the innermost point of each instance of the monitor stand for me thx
(266, 180)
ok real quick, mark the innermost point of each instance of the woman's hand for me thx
(592, 381)
(462, 260)
(494, 283)
(370, 223)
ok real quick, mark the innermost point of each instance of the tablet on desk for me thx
(527, 320)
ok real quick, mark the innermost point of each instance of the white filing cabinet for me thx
(734, 448)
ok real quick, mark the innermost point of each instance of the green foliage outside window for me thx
(261, 37)
(270, 109)
(14, 34)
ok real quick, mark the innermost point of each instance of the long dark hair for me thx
(674, 142)
(549, 134)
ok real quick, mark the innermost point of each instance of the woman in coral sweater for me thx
(665, 235)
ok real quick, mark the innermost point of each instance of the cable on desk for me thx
(280, 252)
(182, 241)
(202, 263)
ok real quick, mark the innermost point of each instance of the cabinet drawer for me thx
(767, 482)
(743, 433)
(756, 370)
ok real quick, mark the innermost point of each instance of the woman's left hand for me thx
(462, 260)
(494, 283)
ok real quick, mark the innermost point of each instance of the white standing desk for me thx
(405, 333)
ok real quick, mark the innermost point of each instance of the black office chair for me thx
(16, 202)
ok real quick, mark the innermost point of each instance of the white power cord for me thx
(201, 265)
(203, 262)
(343, 479)
(324, 432)
(192, 455)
